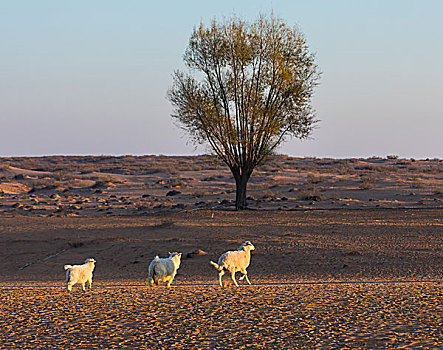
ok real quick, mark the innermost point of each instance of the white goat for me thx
(80, 273)
(164, 270)
(234, 261)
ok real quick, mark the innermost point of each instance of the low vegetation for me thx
(137, 185)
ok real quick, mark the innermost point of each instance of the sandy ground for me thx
(297, 246)
(349, 253)
(340, 279)
(129, 186)
(340, 316)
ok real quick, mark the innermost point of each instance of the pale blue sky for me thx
(90, 77)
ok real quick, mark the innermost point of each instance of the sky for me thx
(91, 77)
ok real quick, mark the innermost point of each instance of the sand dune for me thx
(129, 185)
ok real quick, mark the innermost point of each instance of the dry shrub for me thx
(62, 175)
(76, 244)
(4, 165)
(44, 184)
(201, 193)
(392, 156)
(87, 169)
(143, 206)
(164, 224)
(437, 170)
(102, 184)
(367, 183)
(176, 183)
(314, 178)
(310, 192)
(78, 183)
(272, 164)
(344, 169)
(415, 184)
(353, 253)
(106, 181)
(4, 179)
(268, 195)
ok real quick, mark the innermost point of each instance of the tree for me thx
(248, 88)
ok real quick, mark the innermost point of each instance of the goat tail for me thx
(150, 272)
(68, 273)
(155, 271)
(219, 268)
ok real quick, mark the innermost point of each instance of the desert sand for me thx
(324, 275)
(129, 185)
(339, 316)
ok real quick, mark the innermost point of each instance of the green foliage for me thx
(248, 88)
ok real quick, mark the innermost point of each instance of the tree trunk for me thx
(241, 182)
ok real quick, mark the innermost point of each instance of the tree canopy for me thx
(248, 88)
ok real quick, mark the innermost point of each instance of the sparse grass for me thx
(135, 165)
(164, 224)
(150, 164)
(60, 173)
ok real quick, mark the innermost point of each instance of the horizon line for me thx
(389, 156)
